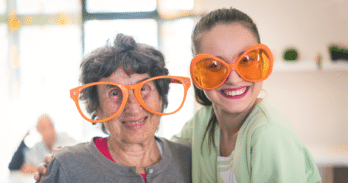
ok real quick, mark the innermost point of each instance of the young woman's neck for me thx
(230, 123)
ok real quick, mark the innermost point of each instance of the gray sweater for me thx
(83, 163)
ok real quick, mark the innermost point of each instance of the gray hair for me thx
(127, 54)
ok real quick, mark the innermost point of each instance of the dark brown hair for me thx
(206, 23)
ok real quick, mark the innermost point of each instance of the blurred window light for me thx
(176, 35)
(3, 43)
(47, 6)
(119, 6)
(50, 58)
(2, 6)
(176, 38)
(178, 4)
(3, 61)
(98, 32)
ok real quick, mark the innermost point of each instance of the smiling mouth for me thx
(235, 93)
(134, 122)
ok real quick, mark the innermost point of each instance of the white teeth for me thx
(134, 122)
(234, 92)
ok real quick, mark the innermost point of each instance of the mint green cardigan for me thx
(268, 149)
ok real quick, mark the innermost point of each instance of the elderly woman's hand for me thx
(42, 169)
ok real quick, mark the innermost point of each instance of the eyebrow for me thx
(241, 53)
(113, 86)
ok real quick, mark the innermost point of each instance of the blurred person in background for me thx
(51, 139)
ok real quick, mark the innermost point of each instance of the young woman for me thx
(236, 136)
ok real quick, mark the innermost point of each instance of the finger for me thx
(48, 159)
(42, 169)
(37, 177)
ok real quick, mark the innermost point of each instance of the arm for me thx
(201, 117)
(185, 135)
(42, 168)
(55, 173)
(18, 157)
(278, 155)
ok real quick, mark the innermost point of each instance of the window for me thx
(4, 72)
(2, 7)
(176, 46)
(40, 53)
(47, 6)
(50, 57)
(108, 6)
(97, 32)
(178, 5)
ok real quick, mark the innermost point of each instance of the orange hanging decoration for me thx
(28, 20)
(63, 19)
(14, 22)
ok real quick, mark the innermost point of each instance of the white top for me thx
(225, 166)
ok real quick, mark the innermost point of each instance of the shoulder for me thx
(266, 123)
(201, 117)
(204, 111)
(178, 151)
(74, 152)
(177, 145)
(195, 126)
(265, 117)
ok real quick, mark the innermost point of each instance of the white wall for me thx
(314, 101)
(310, 25)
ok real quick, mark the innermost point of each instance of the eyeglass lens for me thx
(253, 66)
(108, 98)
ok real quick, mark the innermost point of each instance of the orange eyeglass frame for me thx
(231, 67)
(75, 92)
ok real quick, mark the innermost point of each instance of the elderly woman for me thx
(125, 89)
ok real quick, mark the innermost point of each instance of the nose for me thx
(233, 78)
(132, 106)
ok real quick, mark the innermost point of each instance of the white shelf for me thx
(306, 65)
(335, 156)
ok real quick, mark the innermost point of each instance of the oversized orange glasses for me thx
(111, 98)
(209, 72)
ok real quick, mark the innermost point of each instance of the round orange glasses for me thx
(111, 98)
(209, 72)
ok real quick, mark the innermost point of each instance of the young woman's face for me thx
(228, 41)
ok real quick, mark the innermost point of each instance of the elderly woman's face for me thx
(134, 124)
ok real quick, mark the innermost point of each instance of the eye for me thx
(214, 64)
(146, 88)
(115, 94)
(247, 59)
(252, 56)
